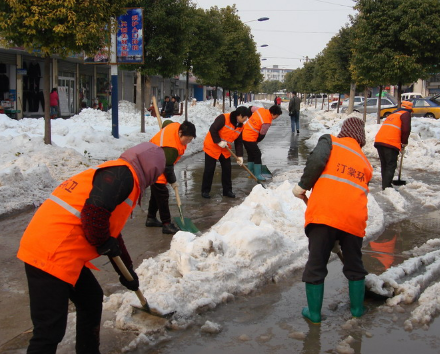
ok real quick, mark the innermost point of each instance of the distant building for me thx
(274, 73)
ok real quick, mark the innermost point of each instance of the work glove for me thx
(132, 285)
(173, 185)
(299, 192)
(240, 161)
(109, 248)
(222, 144)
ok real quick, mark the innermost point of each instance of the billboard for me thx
(129, 39)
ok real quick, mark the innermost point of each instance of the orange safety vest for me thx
(169, 137)
(390, 132)
(253, 125)
(228, 133)
(339, 197)
(54, 240)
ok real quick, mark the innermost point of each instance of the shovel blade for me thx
(399, 182)
(187, 225)
(151, 312)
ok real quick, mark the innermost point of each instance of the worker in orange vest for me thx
(391, 139)
(254, 131)
(80, 221)
(225, 130)
(339, 173)
(173, 138)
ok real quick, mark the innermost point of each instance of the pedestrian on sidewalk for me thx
(254, 131)
(80, 221)
(173, 138)
(294, 107)
(54, 103)
(338, 173)
(391, 139)
(225, 130)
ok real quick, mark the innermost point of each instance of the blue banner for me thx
(129, 43)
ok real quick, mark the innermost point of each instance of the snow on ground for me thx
(259, 241)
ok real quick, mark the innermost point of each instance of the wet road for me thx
(267, 321)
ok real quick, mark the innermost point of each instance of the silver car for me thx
(385, 102)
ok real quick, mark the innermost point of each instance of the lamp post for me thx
(258, 19)
(264, 45)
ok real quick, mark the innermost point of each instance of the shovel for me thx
(399, 182)
(184, 224)
(144, 304)
(159, 120)
(249, 171)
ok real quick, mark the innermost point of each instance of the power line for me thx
(294, 31)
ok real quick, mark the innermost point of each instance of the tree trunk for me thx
(186, 94)
(46, 94)
(339, 101)
(365, 104)
(352, 94)
(223, 102)
(379, 101)
(215, 95)
(142, 108)
(399, 94)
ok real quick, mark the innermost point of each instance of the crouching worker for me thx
(339, 173)
(82, 220)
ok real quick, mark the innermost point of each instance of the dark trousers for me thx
(253, 151)
(388, 163)
(49, 301)
(208, 173)
(159, 201)
(321, 241)
(294, 121)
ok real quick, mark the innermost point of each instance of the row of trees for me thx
(214, 45)
(389, 42)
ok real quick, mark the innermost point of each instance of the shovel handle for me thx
(159, 120)
(235, 156)
(179, 204)
(129, 277)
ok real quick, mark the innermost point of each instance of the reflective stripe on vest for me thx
(339, 197)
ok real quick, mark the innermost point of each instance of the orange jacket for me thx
(253, 125)
(169, 137)
(228, 133)
(339, 197)
(390, 133)
(54, 240)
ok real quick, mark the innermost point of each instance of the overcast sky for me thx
(295, 29)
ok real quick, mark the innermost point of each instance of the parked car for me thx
(410, 95)
(357, 100)
(422, 107)
(372, 104)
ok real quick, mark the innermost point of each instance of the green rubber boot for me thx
(356, 290)
(315, 295)
(257, 172)
(250, 166)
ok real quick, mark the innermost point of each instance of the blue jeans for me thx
(294, 119)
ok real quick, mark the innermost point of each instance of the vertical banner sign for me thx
(130, 43)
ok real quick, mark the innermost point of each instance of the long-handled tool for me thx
(184, 224)
(144, 304)
(399, 182)
(159, 120)
(245, 167)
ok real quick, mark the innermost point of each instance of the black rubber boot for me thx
(153, 222)
(169, 228)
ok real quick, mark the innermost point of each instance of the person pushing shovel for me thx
(80, 221)
(173, 138)
(391, 139)
(225, 129)
(339, 173)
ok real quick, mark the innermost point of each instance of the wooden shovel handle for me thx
(129, 277)
(244, 166)
(159, 120)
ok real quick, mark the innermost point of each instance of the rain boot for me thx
(257, 172)
(356, 290)
(315, 295)
(250, 166)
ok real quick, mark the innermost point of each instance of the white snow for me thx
(256, 242)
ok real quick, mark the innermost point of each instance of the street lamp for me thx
(258, 19)
(264, 45)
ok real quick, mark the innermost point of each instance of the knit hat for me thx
(353, 128)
